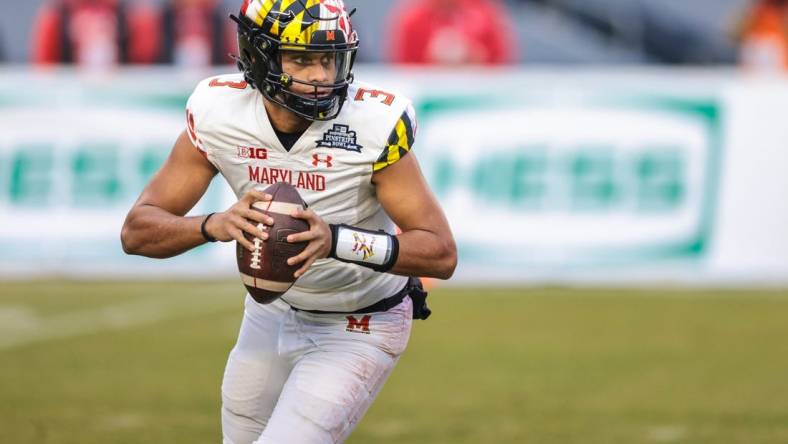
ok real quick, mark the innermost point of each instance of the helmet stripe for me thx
(312, 12)
(266, 8)
(292, 33)
(290, 5)
(257, 10)
(300, 29)
(273, 27)
(245, 6)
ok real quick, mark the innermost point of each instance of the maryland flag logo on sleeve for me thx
(400, 141)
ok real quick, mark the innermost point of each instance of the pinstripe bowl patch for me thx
(340, 137)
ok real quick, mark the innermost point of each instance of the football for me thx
(265, 271)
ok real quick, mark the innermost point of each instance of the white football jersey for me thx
(331, 165)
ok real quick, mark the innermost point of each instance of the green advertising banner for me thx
(552, 177)
(571, 181)
(74, 156)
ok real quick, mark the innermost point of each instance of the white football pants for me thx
(302, 378)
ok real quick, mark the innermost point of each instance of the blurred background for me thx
(706, 32)
(613, 171)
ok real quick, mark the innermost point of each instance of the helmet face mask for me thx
(300, 61)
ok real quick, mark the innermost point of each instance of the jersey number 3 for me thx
(388, 99)
(235, 85)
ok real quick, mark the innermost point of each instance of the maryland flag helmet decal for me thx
(266, 28)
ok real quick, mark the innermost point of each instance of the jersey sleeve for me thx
(400, 141)
(197, 109)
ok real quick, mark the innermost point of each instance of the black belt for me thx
(413, 288)
(382, 305)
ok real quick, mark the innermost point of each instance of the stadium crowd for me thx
(196, 33)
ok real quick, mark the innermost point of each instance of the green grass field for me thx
(142, 363)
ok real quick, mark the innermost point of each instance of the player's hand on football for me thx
(239, 218)
(318, 236)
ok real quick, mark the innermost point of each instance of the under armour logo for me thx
(327, 160)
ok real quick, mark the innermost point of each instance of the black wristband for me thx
(334, 237)
(205, 234)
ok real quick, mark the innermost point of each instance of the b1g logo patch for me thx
(358, 325)
(340, 137)
(251, 152)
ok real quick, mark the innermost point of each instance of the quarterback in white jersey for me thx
(307, 366)
(331, 165)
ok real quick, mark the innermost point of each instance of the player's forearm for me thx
(153, 232)
(426, 254)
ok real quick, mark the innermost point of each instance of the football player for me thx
(307, 366)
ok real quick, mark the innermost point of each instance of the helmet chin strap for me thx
(307, 108)
(277, 88)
